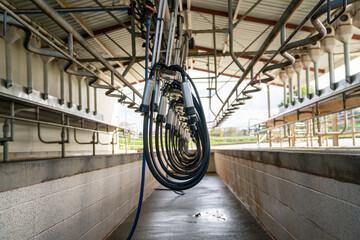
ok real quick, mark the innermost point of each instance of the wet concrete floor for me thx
(207, 211)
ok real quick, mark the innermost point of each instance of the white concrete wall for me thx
(26, 140)
(291, 204)
(83, 206)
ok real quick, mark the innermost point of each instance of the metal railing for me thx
(335, 129)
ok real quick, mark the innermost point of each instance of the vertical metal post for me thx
(316, 78)
(80, 92)
(62, 87)
(70, 91)
(112, 78)
(353, 126)
(285, 97)
(87, 98)
(268, 100)
(70, 44)
(335, 128)
(29, 72)
(308, 94)
(6, 143)
(46, 60)
(347, 61)
(8, 64)
(293, 134)
(93, 143)
(331, 70)
(291, 91)
(95, 101)
(63, 136)
(6, 131)
(299, 94)
(113, 142)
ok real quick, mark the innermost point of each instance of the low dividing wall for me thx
(296, 195)
(71, 198)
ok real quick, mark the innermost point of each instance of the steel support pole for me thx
(316, 78)
(347, 61)
(70, 91)
(29, 72)
(299, 87)
(331, 70)
(268, 100)
(308, 94)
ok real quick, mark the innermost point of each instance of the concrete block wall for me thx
(87, 205)
(291, 204)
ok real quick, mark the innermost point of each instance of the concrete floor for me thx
(208, 211)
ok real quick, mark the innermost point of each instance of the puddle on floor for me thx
(211, 215)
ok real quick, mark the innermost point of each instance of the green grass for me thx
(240, 139)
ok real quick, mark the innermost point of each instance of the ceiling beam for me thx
(257, 20)
(89, 31)
(246, 57)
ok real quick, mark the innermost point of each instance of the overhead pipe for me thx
(215, 60)
(328, 44)
(79, 78)
(15, 20)
(68, 28)
(72, 10)
(290, 73)
(8, 132)
(158, 37)
(233, 26)
(95, 101)
(70, 91)
(87, 94)
(274, 32)
(61, 64)
(10, 37)
(133, 47)
(284, 78)
(306, 61)
(344, 33)
(173, 19)
(317, 11)
(29, 89)
(231, 40)
(46, 60)
(314, 53)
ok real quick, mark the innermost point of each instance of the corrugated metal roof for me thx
(245, 33)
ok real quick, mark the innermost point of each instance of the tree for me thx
(216, 133)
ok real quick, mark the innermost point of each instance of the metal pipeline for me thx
(68, 28)
(328, 44)
(10, 37)
(71, 10)
(133, 47)
(70, 91)
(29, 72)
(231, 40)
(173, 19)
(274, 32)
(50, 53)
(46, 60)
(215, 61)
